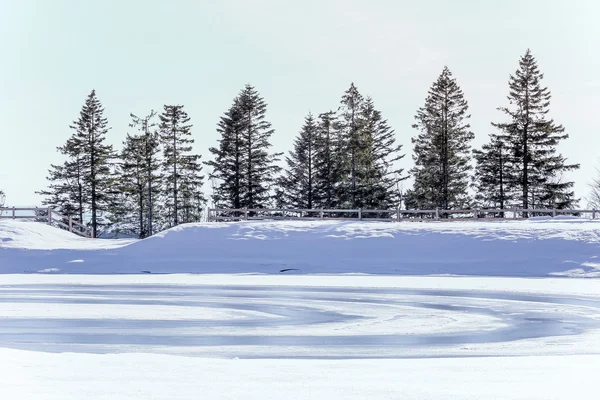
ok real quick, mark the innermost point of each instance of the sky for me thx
(301, 56)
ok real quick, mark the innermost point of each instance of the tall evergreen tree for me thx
(377, 171)
(151, 162)
(181, 168)
(130, 213)
(349, 127)
(90, 134)
(228, 165)
(327, 161)
(533, 139)
(243, 165)
(299, 180)
(85, 181)
(365, 155)
(261, 167)
(442, 149)
(493, 174)
(65, 192)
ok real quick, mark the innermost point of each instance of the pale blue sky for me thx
(301, 56)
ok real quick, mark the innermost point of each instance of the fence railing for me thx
(247, 214)
(47, 215)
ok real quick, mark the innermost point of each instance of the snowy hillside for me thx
(543, 247)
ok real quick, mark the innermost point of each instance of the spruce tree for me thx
(151, 162)
(493, 174)
(349, 130)
(90, 134)
(261, 167)
(442, 149)
(229, 160)
(130, 214)
(181, 169)
(190, 190)
(327, 161)
(243, 166)
(299, 180)
(533, 139)
(365, 156)
(85, 181)
(378, 173)
(65, 192)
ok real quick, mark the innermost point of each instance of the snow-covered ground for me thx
(42, 376)
(549, 247)
(92, 326)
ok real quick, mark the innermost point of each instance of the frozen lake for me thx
(207, 317)
(320, 336)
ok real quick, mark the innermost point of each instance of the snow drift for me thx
(537, 248)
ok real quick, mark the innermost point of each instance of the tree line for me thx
(345, 157)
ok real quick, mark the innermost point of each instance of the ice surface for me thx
(298, 337)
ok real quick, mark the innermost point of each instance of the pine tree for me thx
(533, 140)
(261, 167)
(243, 166)
(327, 161)
(349, 127)
(84, 182)
(442, 148)
(493, 174)
(228, 164)
(150, 152)
(181, 169)
(90, 134)
(299, 180)
(377, 171)
(190, 190)
(66, 190)
(130, 214)
(139, 179)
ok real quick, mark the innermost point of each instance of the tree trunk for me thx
(250, 177)
(141, 210)
(149, 177)
(175, 210)
(93, 178)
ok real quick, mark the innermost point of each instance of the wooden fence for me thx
(47, 215)
(246, 214)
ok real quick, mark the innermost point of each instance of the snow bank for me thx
(537, 248)
(31, 375)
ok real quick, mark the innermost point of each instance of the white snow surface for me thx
(535, 248)
(41, 376)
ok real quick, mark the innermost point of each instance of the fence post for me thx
(593, 214)
(475, 213)
(246, 213)
(399, 214)
(437, 214)
(49, 215)
(553, 212)
(514, 212)
(321, 214)
(13, 213)
(360, 214)
(70, 224)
